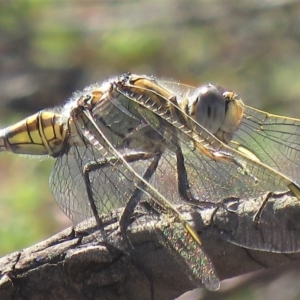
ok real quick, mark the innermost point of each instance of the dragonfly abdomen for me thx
(39, 134)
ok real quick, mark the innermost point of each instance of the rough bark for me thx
(79, 264)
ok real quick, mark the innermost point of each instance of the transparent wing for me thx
(114, 182)
(69, 188)
(146, 120)
(214, 171)
(278, 225)
(274, 140)
(216, 174)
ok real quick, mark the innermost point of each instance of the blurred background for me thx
(48, 49)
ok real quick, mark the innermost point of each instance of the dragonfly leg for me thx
(183, 183)
(102, 163)
(229, 204)
(262, 206)
(135, 199)
(88, 168)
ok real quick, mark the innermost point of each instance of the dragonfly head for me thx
(219, 111)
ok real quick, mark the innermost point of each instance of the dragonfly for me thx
(135, 139)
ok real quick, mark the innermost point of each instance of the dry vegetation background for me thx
(48, 49)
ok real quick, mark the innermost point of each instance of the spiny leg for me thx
(135, 199)
(183, 183)
(102, 163)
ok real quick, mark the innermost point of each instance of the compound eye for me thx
(210, 108)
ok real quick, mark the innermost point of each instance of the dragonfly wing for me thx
(217, 173)
(274, 140)
(188, 253)
(130, 177)
(209, 171)
(232, 176)
(277, 229)
(109, 187)
(68, 187)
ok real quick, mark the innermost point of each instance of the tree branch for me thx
(79, 264)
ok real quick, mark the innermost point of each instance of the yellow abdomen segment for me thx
(39, 134)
